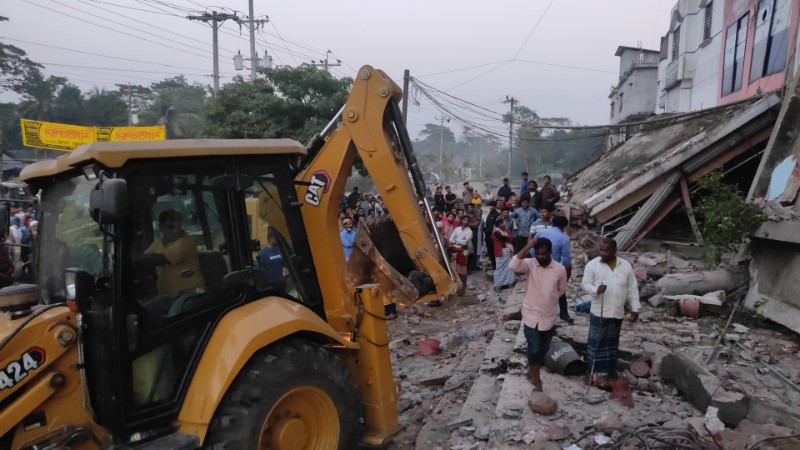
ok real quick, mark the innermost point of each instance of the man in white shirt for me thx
(611, 282)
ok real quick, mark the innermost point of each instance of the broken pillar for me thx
(703, 389)
(699, 283)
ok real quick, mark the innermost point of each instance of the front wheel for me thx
(294, 395)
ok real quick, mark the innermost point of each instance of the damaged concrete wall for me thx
(775, 273)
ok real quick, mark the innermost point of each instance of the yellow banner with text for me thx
(60, 136)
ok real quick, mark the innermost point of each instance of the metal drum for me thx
(562, 358)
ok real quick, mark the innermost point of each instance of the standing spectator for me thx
(459, 248)
(505, 190)
(343, 202)
(466, 195)
(5, 215)
(449, 224)
(476, 199)
(512, 202)
(438, 199)
(354, 198)
(491, 217)
(550, 194)
(611, 283)
(449, 199)
(270, 259)
(533, 195)
(348, 236)
(505, 213)
(546, 281)
(526, 216)
(543, 222)
(524, 188)
(503, 251)
(474, 221)
(374, 207)
(561, 253)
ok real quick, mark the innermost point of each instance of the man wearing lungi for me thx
(612, 284)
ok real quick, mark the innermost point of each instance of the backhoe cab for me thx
(152, 327)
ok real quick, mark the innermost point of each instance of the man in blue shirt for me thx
(526, 216)
(561, 253)
(348, 236)
(271, 260)
(524, 183)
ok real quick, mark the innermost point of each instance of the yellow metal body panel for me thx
(362, 133)
(240, 334)
(116, 154)
(54, 388)
(374, 374)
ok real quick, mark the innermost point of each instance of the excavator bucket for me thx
(379, 257)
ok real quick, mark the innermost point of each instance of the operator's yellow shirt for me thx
(183, 270)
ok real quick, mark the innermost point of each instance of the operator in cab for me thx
(177, 266)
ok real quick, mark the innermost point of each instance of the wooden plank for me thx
(687, 202)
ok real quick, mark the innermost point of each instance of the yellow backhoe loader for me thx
(151, 325)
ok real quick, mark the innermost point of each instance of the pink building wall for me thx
(733, 11)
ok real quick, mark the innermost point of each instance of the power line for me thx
(122, 70)
(536, 25)
(272, 22)
(133, 28)
(97, 54)
(113, 29)
(133, 8)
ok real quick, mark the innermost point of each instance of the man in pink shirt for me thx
(546, 282)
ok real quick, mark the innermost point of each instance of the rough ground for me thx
(480, 375)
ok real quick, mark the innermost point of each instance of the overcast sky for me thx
(518, 46)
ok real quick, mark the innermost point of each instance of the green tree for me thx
(106, 108)
(172, 102)
(39, 94)
(280, 103)
(68, 106)
(14, 65)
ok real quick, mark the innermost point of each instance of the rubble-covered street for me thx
(474, 393)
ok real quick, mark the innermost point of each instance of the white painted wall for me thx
(698, 61)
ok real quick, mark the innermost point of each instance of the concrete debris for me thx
(699, 283)
(712, 422)
(480, 374)
(543, 404)
(459, 423)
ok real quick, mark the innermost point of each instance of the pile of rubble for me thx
(698, 380)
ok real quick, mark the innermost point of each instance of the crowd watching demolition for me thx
(20, 228)
(471, 227)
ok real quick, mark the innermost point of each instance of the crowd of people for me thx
(523, 238)
(20, 229)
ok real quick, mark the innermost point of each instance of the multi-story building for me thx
(632, 98)
(690, 56)
(759, 38)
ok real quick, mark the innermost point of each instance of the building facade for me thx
(690, 57)
(632, 98)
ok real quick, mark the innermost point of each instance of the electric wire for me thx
(114, 30)
(535, 26)
(272, 22)
(99, 54)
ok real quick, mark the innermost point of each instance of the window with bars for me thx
(676, 42)
(709, 10)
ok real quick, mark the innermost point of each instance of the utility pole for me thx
(325, 64)
(216, 20)
(130, 105)
(441, 142)
(510, 119)
(406, 79)
(252, 42)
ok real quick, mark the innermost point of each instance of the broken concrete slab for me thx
(704, 389)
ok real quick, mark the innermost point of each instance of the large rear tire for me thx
(294, 395)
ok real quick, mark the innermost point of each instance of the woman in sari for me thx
(502, 239)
